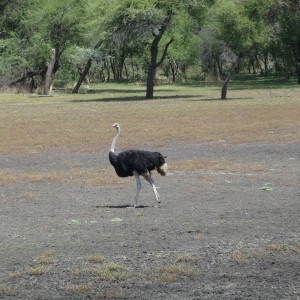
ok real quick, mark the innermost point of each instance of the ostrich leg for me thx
(150, 180)
(138, 187)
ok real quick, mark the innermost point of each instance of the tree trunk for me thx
(174, 70)
(150, 83)
(121, 65)
(106, 66)
(252, 61)
(126, 71)
(233, 68)
(153, 65)
(132, 67)
(85, 72)
(298, 62)
(152, 68)
(48, 83)
(113, 67)
(82, 76)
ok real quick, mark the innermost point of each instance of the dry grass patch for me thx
(96, 259)
(296, 248)
(241, 257)
(83, 123)
(37, 271)
(227, 166)
(283, 247)
(7, 290)
(278, 247)
(50, 252)
(83, 288)
(193, 165)
(111, 272)
(47, 258)
(14, 275)
(139, 214)
(188, 258)
(171, 272)
(28, 196)
(75, 176)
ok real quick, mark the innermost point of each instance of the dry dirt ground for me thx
(220, 233)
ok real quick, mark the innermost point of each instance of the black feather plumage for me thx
(141, 161)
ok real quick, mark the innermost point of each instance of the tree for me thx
(50, 25)
(122, 30)
(50, 67)
(289, 19)
(61, 27)
(133, 25)
(181, 20)
(15, 42)
(238, 26)
(85, 71)
(186, 25)
(131, 39)
(154, 63)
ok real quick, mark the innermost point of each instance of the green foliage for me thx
(236, 27)
(212, 32)
(289, 19)
(34, 32)
(186, 39)
(19, 55)
(233, 25)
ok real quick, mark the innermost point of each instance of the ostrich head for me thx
(116, 125)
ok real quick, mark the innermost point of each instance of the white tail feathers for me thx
(163, 169)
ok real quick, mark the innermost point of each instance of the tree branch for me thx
(29, 74)
(165, 52)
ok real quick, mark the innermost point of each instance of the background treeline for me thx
(45, 42)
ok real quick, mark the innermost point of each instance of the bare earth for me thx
(219, 234)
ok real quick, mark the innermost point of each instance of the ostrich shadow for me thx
(123, 206)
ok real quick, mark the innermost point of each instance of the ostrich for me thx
(137, 163)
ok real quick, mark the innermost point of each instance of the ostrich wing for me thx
(140, 161)
(133, 160)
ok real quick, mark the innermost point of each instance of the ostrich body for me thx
(137, 163)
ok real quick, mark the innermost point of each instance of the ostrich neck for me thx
(113, 145)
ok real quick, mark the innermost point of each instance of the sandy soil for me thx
(217, 235)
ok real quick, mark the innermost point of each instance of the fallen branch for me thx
(29, 74)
